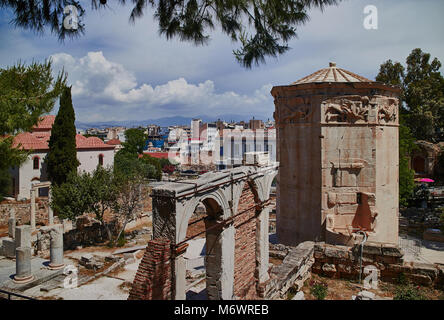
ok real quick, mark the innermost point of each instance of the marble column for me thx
(56, 247)
(23, 236)
(23, 265)
(11, 228)
(50, 212)
(33, 191)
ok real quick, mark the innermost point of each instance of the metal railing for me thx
(411, 244)
(13, 294)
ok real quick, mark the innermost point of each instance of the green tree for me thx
(128, 165)
(422, 93)
(62, 156)
(406, 175)
(135, 139)
(103, 190)
(131, 197)
(95, 193)
(72, 199)
(26, 93)
(263, 27)
(155, 163)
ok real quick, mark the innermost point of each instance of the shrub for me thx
(401, 279)
(291, 293)
(408, 292)
(121, 240)
(319, 290)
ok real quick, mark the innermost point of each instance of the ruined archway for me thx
(236, 201)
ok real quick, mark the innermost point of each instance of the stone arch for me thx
(220, 192)
(190, 205)
(419, 164)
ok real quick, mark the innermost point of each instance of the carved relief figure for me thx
(349, 109)
(294, 111)
(387, 112)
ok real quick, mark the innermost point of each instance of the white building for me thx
(91, 152)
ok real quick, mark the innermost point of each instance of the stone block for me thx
(348, 209)
(326, 267)
(371, 248)
(366, 295)
(345, 268)
(11, 227)
(344, 198)
(425, 269)
(23, 236)
(9, 247)
(299, 296)
(87, 258)
(420, 279)
(336, 252)
(391, 251)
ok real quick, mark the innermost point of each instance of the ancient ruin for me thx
(236, 228)
(338, 173)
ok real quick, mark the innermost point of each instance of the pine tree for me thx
(263, 27)
(62, 155)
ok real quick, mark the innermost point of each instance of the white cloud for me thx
(99, 81)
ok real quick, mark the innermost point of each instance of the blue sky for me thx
(121, 71)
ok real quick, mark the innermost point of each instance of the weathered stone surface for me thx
(335, 143)
(328, 267)
(23, 264)
(336, 252)
(8, 246)
(299, 296)
(366, 295)
(293, 271)
(11, 227)
(23, 236)
(392, 251)
(21, 212)
(90, 261)
(426, 269)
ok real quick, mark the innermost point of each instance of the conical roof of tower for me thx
(332, 74)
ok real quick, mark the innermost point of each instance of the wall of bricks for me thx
(245, 279)
(153, 280)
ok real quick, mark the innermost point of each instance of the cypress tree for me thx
(62, 155)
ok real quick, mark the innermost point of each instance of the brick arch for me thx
(236, 201)
(190, 205)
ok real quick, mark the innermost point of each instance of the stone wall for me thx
(245, 280)
(344, 262)
(22, 210)
(153, 278)
(87, 232)
(294, 270)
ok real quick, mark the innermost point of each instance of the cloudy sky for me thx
(121, 71)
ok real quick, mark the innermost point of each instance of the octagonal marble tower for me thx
(337, 146)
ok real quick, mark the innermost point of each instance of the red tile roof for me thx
(44, 124)
(113, 142)
(37, 141)
(159, 155)
(39, 137)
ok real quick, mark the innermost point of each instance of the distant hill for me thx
(163, 122)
